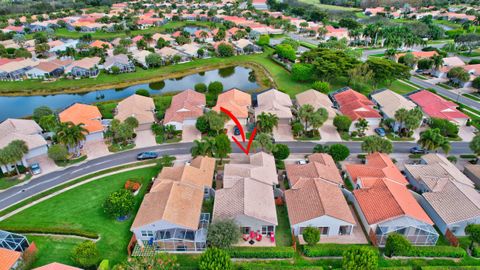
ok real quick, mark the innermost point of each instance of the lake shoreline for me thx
(261, 74)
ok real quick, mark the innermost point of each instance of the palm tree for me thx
(205, 147)
(203, 35)
(318, 118)
(263, 141)
(432, 139)
(361, 125)
(437, 61)
(305, 113)
(169, 131)
(16, 150)
(71, 135)
(266, 122)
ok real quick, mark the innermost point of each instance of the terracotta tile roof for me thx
(88, 115)
(355, 105)
(382, 199)
(378, 165)
(100, 44)
(319, 166)
(174, 202)
(311, 198)
(247, 197)
(419, 54)
(57, 266)
(85, 63)
(8, 258)
(274, 102)
(199, 172)
(435, 106)
(235, 101)
(140, 107)
(317, 100)
(186, 105)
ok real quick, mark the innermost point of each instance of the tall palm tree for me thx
(16, 150)
(263, 141)
(432, 140)
(71, 135)
(305, 113)
(266, 122)
(437, 61)
(169, 131)
(204, 147)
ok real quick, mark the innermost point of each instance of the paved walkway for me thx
(96, 149)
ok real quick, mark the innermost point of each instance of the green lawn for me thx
(107, 108)
(329, 7)
(283, 235)
(400, 87)
(64, 33)
(54, 249)
(81, 209)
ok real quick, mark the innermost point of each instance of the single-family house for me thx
(474, 71)
(447, 195)
(376, 165)
(260, 4)
(26, 130)
(386, 206)
(247, 196)
(390, 102)
(57, 46)
(337, 33)
(88, 115)
(472, 171)
(245, 46)
(86, 67)
(189, 49)
(49, 69)
(448, 63)
(356, 106)
(9, 259)
(418, 54)
(237, 102)
(435, 106)
(140, 107)
(318, 203)
(277, 103)
(57, 266)
(16, 70)
(169, 54)
(319, 166)
(185, 108)
(140, 57)
(317, 100)
(170, 217)
(120, 61)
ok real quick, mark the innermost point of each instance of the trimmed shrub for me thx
(311, 235)
(86, 254)
(214, 259)
(434, 251)
(397, 243)
(201, 87)
(261, 252)
(329, 250)
(360, 258)
(142, 92)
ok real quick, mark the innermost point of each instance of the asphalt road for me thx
(18, 193)
(448, 93)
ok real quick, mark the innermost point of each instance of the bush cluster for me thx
(261, 252)
(434, 251)
(327, 250)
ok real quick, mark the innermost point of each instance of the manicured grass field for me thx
(329, 7)
(81, 209)
(283, 235)
(64, 33)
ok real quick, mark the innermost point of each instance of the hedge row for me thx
(476, 251)
(433, 251)
(450, 267)
(261, 252)
(261, 266)
(60, 231)
(327, 250)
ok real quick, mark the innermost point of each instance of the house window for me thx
(401, 230)
(147, 233)
(267, 229)
(454, 229)
(324, 230)
(345, 230)
(245, 230)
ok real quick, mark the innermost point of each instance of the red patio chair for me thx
(246, 237)
(272, 237)
(259, 237)
(252, 234)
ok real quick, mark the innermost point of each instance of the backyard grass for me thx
(107, 109)
(400, 87)
(283, 235)
(64, 33)
(81, 209)
(54, 249)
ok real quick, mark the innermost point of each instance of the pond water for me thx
(192, 29)
(231, 77)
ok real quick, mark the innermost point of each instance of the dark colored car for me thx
(418, 150)
(147, 155)
(381, 132)
(236, 131)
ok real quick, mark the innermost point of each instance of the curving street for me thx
(19, 193)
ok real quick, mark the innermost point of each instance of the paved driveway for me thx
(328, 132)
(283, 133)
(145, 138)
(466, 133)
(190, 133)
(95, 149)
(47, 165)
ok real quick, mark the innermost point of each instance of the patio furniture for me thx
(245, 237)
(272, 237)
(251, 242)
(259, 237)
(252, 234)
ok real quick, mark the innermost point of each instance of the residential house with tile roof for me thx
(386, 206)
(88, 115)
(447, 195)
(448, 63)
(319, 166)
(49, 69)
(435, 106)
(356, 106)
(140, 107)
(9, 259)
(16, 70)
(26, 130)
(376, 165)
(277, 103)
(120, 61)
(170, 217)
(57, 266)
(237, 102)
(185, 108)
(318, 201)
(317, 100)
(85, 67)
(247, 195)
(390, 102)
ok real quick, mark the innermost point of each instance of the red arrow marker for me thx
(235, 120)
(252, 136)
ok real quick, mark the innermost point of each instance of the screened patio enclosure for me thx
(13, 241)
(418, 235)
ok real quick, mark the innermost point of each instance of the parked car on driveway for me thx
(35, 168)
(147, 155)
(381, 132)
(418, 150)
(236, 131)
